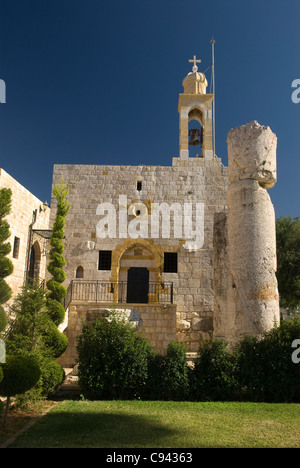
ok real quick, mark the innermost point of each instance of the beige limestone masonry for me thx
(195, 104)
(250, 290)
(191, 181)
(157, 325)
(24, 204)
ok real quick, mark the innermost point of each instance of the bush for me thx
(20, 374)
(267, 372)
(52, 376)
(113, 360)
(169, 375)
(215, 372)
(54, 340)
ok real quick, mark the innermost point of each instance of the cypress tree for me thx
(6, 266)
(57, 292)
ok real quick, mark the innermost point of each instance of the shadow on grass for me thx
(95, 430)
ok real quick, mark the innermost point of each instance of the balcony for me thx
(118, 293)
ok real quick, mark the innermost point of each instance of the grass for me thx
(152, 424)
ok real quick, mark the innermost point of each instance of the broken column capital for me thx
(252, 154)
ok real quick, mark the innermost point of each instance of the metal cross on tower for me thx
(194, 61)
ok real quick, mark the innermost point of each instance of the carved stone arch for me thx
(196, 113)
(118, 267)
(198, 106)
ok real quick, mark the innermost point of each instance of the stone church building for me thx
(186, 251)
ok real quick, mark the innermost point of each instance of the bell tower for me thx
(195, 104)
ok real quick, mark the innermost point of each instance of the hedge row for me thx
(115, 362)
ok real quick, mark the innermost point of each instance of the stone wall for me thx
(156, 323)
(24, 203)
(191, 181)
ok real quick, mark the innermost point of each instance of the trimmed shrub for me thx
(52, 376)
(57, 292)
(266, 370)
(215, 372)
(6, 266)
(169, 375)
(113, 360)
(20, 374)
(54, 340)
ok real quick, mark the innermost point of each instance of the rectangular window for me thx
(139, 186)
(16, 247)
(170, 262)
(104, 260)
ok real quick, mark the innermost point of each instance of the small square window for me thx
(170, 262)
(104, 260)
(16, 247)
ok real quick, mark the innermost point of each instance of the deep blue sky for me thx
(97, 82)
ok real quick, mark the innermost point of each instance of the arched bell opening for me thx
(195, 132)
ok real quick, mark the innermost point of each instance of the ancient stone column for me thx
(253, 303)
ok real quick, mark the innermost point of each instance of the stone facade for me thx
(28, 253)
(199, 235)
(190, 182)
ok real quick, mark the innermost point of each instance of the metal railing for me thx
(39, 282)
(106, 291)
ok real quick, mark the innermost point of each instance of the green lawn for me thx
(150, 424)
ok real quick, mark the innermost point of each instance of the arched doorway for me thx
(137, 274)
(34, 262)
(138, 285)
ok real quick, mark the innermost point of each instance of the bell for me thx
(194, 139)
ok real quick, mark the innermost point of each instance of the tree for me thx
(32, 333)
(6, 266)
(57, 262)
(288, 261)
(20, 374)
